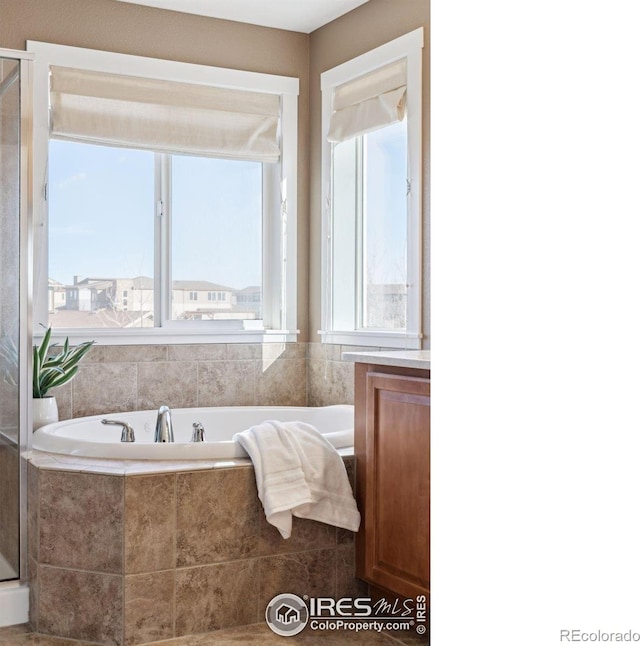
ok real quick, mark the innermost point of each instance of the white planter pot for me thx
(45, 411)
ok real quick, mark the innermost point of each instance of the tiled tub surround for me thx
(131, 559)
(114, 379)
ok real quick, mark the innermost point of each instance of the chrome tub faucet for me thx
(127, 432)
(164, 426)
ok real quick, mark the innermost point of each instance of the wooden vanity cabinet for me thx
(392, 448)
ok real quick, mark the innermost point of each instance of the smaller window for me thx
(193, 296)
(371, 168)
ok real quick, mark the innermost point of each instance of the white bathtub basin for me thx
(87, 436)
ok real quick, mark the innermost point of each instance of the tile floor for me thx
(257, 634)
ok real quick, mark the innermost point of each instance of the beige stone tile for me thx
(344, 536)
(347, 585)
(317, 378)
(330, 382)
(34, 639)
(324, 352)
(8, 633)
(227, 383)
(261, 635)
(198, 352)
(134, 353)
(149, 607)
(244, 351)
(350, 466)
(63, 395)
(342, 381)
(95, 355)
(282, 383)
(150, 520)
(409, 637)
(273, 351)
(217, 516)
(34, 588)
(340, 637)
(104, 388)
(170, 383)
(305, 535)
(333, 352)
(216, 596)
(81, 521)
(33, 508)
(81, 605)
(312, 573)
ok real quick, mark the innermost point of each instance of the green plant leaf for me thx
(57, 369)
(44, 347)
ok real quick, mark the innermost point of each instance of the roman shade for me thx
(163, 116)
(369, 102)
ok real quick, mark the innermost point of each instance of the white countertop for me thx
(399, 358)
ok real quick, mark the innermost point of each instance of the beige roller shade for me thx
(163, 116)
(369, 102)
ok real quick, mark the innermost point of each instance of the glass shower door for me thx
(10, 194)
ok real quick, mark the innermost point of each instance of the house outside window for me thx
(167, 206)
(371, 258)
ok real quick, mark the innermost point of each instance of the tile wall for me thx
(114, 379)
(133, 559)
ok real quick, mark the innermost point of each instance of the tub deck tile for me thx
(258, 634)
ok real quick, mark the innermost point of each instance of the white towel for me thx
(299, 473)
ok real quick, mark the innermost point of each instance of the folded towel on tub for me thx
(299, 473)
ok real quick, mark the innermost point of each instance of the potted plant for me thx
(51, 370)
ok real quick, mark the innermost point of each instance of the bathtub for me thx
(87, 436)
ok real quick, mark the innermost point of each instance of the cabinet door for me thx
(396, 531)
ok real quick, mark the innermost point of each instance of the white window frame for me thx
(410, 47)
(279, 220)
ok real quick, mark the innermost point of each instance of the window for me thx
(141, 220)
(371, 274)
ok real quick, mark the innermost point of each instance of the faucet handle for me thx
(198, 433)
(128, 434)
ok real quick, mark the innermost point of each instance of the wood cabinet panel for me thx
(393, 479)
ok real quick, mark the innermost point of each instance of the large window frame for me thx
(279, 188)
(408, 47)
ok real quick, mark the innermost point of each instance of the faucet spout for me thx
(164, 427)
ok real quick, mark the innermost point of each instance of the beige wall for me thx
(145, 31)
(363, 29)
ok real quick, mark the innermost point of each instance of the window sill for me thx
(160, 336)
(374, 339)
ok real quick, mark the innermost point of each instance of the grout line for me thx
(175, 552)
(124, 561)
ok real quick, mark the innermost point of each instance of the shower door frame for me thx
(25, 60)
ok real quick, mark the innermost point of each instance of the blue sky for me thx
(387, 205)
(101, 216)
